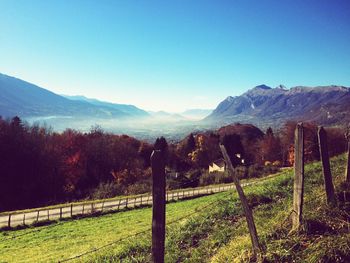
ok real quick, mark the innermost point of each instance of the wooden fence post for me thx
(244, 201)
(9, 221)
(24, 218)
(298, 191)
(60, 213)
(37, 216)
(71, 210)
(347, 168)
(327, 175)
(158, 213)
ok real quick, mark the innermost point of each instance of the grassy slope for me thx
(55, 242)
(326, 235)
(217, 233)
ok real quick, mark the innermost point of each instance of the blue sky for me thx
(174, 55)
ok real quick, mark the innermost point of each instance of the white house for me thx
(220, 164)
(217, 166)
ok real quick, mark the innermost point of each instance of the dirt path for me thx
(68, 210)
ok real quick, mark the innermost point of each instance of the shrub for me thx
(107, 190)
(256, 170)
(139, 188)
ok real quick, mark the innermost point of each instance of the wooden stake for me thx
(347, 168)
(9, 221)
(328, 183)
(298, 193)
(244, 201)
(158, 213)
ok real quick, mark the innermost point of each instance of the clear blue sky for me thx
(174, 55)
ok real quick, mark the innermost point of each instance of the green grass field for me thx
(58, 241)
(198, 231)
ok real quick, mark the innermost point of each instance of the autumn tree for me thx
(234, 148)
(270, 147)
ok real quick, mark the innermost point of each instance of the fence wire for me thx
(197, 210)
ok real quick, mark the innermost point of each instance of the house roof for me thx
(220, 162)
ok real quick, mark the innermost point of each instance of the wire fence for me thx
(70, 210)
(109, 205)
(148, 230)
(135, 201)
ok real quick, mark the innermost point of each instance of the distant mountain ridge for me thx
(263, 105)
(24, 99)
(126, 108)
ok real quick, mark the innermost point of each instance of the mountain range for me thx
(21, 98)
(262, 106)
(266, 106)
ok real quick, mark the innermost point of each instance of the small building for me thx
(217, 166)
(171, 173)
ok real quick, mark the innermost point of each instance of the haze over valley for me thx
(262, 105)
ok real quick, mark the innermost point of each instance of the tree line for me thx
(41, 167)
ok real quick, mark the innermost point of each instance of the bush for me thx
(207, 178)
(256, 170)
(107, 190)
(139, 188)
(215, 178)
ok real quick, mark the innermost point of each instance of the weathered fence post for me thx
(347, 169)
(158, 213)
(327, 175)
(71, 210)
(298, 191)
(9, 221)
(60, 213)
(37, 216)
(244, 201)
(24, 218)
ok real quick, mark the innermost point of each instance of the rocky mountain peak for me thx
(262, 87)
(262, 105)
(229, 98)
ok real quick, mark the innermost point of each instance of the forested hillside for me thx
(41, 167)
